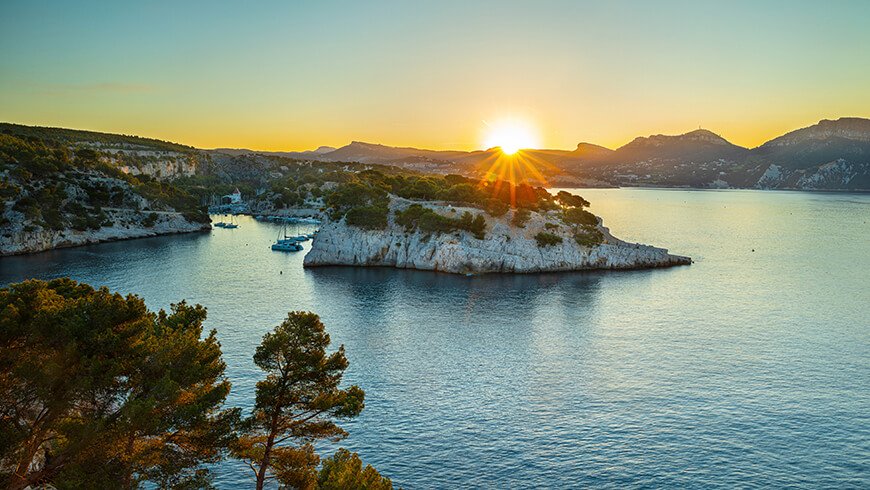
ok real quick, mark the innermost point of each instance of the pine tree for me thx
(297, 403)
(96, 391)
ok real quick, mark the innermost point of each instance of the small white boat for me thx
(286, 246)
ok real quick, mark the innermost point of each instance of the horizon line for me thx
(403, 146)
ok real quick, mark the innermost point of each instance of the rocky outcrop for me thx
(505, 248)
(838, 174)
(162, 168)
(20, 239)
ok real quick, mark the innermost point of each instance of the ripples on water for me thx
(748, 368)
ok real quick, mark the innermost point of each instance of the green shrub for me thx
(521, 217)
(150, 220)
(75, 208)
(465, 193)
(588, 236)
(579, 216)
(9, 190)
(345, 470)
(79, 223)
(545, 239)
(474, 224)
(95, 221)
(53, 218)
(368, 217)
(116, 198)
(416, 217)
(200, 216)
(352, 195)
(495, 208)
(571, 200)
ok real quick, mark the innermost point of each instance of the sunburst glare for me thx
(510, 135)
(514, 163)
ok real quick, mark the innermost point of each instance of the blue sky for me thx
(293, 75)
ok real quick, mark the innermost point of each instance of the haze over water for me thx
(749, 368)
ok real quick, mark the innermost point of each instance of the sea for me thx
(749, 368)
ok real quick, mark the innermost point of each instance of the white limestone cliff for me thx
(19, 238)
(505, 248)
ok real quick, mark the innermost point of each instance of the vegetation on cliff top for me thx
(547, 239)
(416, 217)
(73, 137)
(55, 186)
(364, 203)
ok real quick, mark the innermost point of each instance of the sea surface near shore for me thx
(749, 368)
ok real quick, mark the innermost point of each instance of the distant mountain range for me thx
(830, 155)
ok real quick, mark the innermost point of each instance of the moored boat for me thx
(287, 243)
(286, 246)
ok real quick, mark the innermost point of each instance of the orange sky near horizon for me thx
(281, 76)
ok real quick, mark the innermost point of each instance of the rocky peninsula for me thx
(506, 248)
(63, 188)
(23, 237)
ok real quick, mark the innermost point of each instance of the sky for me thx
(283, 75)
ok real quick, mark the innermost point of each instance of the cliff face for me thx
(53, 202)
(837, 174)
(21, 237)
(160, 165)
(506, 248)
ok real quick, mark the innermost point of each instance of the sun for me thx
(511, 163)
(511, 135)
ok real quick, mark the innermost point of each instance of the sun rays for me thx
(511, 135)
(512, 156)
(522, 166)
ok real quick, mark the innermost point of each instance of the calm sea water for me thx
(750, 368)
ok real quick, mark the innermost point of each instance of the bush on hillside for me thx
(570, 200)
(579, 216)
(521, 217)
(546, 239)
(368, 217)
(416, 217)
(588, 236)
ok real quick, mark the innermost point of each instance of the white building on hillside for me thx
(234, 198)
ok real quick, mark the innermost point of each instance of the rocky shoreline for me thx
(39, 240)
(506, 248)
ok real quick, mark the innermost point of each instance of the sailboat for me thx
(221, 223)
(232, 223)
(285, 242)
